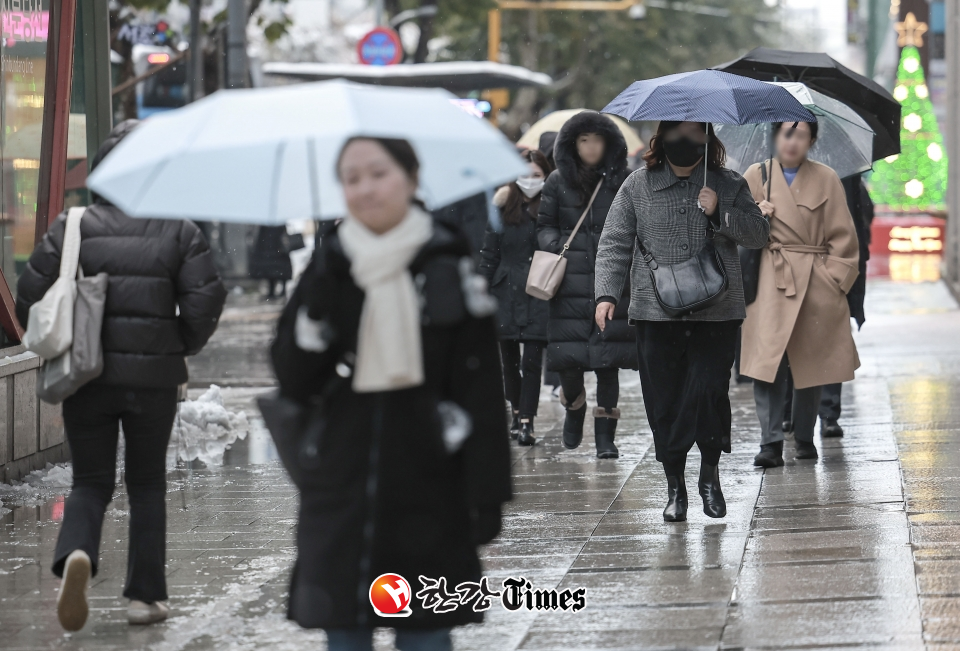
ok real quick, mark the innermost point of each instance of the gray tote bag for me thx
(62, 376)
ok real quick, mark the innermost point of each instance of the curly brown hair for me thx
(655, 158)
(512, 211)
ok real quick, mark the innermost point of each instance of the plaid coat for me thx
(662, 210)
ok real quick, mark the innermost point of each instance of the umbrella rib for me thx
(275, 186)
(314, 191)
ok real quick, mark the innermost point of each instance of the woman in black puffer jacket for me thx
(521, 318)
(164, 299)
(590, 150)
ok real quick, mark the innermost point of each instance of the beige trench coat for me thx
(805, 273)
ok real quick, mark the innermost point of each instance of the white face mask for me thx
(530, 185)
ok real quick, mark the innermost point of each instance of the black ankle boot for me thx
(713, 503)
(526, 432)
(806, 450)
(605, 429)
(676, 509)
(830, 429)
(771, 455)
(515, 426)
(573, 423)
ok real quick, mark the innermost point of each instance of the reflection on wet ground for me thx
(859, 549)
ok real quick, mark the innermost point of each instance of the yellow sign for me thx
(915, 239)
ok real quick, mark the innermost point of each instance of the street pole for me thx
(236, 44)
(378, 11)
(195, 72)
(952, 141)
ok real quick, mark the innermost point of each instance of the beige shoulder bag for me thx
(547, 269)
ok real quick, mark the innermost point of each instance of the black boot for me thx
(526, 432)
(604, 430)
(771, 455)
(515, 425)
(713, 503)
(573, 423)
(806, 450)
(676, 509)
(830, 429)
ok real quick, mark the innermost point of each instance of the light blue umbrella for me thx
(267, 156)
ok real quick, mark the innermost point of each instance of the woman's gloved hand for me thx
(486, 524)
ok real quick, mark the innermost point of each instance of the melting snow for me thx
(204, 429)
(38, 486)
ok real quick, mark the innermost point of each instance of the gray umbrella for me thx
(844, 141)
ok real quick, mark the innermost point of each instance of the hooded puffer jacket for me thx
(575, 341)
(505, 263)
(164, 296)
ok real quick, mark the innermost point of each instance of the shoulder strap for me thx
(70, 252)
(582, 217)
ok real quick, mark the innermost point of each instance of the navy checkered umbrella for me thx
(708, 96)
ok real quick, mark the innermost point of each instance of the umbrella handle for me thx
(706, 151)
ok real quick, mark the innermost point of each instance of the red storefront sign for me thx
(907, 234)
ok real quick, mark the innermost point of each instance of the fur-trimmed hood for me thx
(614, 165)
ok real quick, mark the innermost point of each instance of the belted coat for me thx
(806, 270)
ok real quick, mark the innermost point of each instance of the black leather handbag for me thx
(298, 429)
(691, 285)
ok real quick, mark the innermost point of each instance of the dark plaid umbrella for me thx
(708, 96)
(822, 73)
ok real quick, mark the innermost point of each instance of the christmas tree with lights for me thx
(916, 179)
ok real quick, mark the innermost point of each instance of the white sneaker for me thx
(72, 609)
(139, 612)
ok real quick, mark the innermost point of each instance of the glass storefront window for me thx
(24, 25)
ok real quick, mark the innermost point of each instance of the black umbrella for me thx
(822, 73)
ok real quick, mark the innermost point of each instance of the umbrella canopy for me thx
(268, 156)
(707, 96)
(456, 76)
(822, 73)
(553, 122)
(844, 139)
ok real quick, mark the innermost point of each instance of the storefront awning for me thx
(453, 75)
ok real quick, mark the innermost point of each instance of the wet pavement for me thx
(858, 549)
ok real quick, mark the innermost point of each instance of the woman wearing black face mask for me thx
(521, 318)
(684, 362)
(591, 156)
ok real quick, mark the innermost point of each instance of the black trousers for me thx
(522, 374)
(92, 418)
(608, 385)
(685, 379)
(830, 401)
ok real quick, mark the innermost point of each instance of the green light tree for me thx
(916, 179)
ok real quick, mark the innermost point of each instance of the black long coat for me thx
(575, 341)
(269, 256)
(505, 263)
(164, 295)
(384, 469)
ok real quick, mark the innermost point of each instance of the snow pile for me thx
(204, 429)
(38, 486)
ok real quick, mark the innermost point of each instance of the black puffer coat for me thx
(384, 469)
(155, 266)
(575, 341)
(505, 263)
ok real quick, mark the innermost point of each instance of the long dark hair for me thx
(512, 211)
(655, 158)
(399, 150)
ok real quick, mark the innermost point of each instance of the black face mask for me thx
(683, 152)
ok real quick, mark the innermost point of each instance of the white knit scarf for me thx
(389, 350)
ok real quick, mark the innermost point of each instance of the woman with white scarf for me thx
(387, 331)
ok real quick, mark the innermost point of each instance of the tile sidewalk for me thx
(861, 549)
